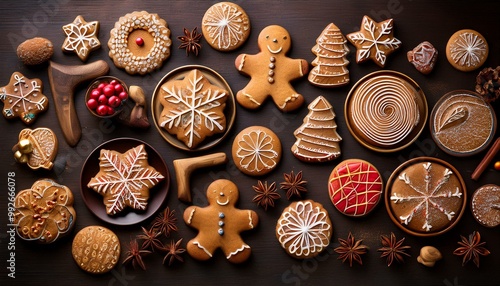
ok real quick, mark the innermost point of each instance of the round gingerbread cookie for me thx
(225, 26)
(139, 42)
(304, 229)
(485, 205)
(425, 196)
(96, 249)
(467, 50)
(355, 187)
(256, 150)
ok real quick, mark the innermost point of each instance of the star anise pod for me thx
(293, 184)
(134, 255)
(165, 222)
(150, 239)
(351, 249)
(393, 249)
(266, 194)
(174, 251)
(471, 248)
(190, 41)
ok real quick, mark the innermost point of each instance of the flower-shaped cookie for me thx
(44, 212)
(81, 37)
(22, 97)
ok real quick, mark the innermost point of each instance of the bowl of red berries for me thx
(106, 96)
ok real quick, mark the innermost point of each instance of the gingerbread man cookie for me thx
(219, 224)
(271, 72)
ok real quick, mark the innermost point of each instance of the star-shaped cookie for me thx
(81, 37)
(374, 41)
(22, 97)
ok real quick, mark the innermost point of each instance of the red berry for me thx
(114, 101)
(123, 95)
(118, 88)
(102, 99)
(111, 110)
(108, 90)
(101, 86)
(113, 82)
(95, 93)
(102, 110)
(92, 103)
(139, 41)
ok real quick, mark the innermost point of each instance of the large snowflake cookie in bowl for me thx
(124, 179)
(425, 196)
(304, 229)
(139, 42)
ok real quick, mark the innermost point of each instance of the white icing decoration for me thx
(225, 25)
(195, 108)
(275, 51)
(238, 250)
(81, 38)
(256, 148)
(20, 99)
(306, 229)
(222, 203)
(250, 221)
(191, 216)
(202, 247)
(468, 49)
(425, 198)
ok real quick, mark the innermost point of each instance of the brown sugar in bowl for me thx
(425, 196)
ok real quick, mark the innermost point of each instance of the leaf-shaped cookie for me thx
(457, 116)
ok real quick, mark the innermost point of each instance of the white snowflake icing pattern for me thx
(81, 37)
(225, 25)
(24, 98)
(305, 229)
(255, 151)
(468, 50)
(374, 40)
(425, 198)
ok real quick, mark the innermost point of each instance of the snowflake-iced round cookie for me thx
(125, 179)
(485, 205)
(425, 196)
(193, 108)
(467, 50)
(225, 26)
(22, 97)
(81, 37)
(139, 42)
(304, 229)
(256, 150)
(355, 187)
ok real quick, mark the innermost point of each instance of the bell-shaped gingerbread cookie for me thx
(36, 147)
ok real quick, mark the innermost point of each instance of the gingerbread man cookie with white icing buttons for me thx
(271, 72)
(220, 224)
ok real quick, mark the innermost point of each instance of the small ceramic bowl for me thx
(106, 96)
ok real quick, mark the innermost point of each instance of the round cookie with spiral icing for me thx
(139, 42)
(355, 187)
(304, 229)
(467, 50)
(485, 205)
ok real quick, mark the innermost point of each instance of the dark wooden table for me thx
(415, 21)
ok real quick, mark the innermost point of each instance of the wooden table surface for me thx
(415, 21)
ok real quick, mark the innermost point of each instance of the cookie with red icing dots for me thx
(355, 187)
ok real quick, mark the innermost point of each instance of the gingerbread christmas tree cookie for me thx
(271, 72)
(81, 37)
(220, 224)
(317, 137)
(374, 41)
(22, 97)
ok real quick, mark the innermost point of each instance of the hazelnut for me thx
(429, 255)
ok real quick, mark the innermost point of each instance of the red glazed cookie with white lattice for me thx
(44, 213)
(304, 229)
(125, 179)
(425, 196)
(225, 26)
(355, 187)
(256, 150)
(220, 224)
(22, 97)
(139, 42)
(485, 205)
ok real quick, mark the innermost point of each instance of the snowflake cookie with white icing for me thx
(220, 224)
(425, 196)
(225, 26)
(467, 50)
(304, 229)
(81, 37)
(139, 42)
